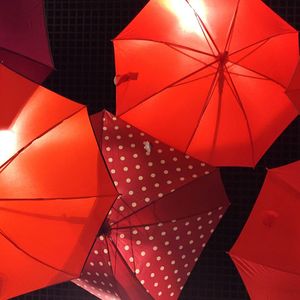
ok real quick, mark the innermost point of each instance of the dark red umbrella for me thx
(293, 90)
(55, 190)
(266, 253)
(169, 206)
(24, 45)
(208, 77)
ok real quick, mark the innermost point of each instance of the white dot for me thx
(180, 247)
(144, 188)
(148, 264)
(201, 236)
(150, 163)
(202, 164)
(104, 128)
(203, 245)
(137, 271)
(132, 145)
(147, 199)
(122, 158)
(128, 126)
(212, 230)
(110, 159)
(166, 277)
(178, 169)
(107, 149)
(181, 178)
(101, 238)
(126, 247)
(138, 242)
(160, 224)
(155, 248)
(105, 251)
(142, 133)
(220, 208)
(175, 158)
(130, 193)
(133, 204)
(206, 172)
(155, 284)
(121, 208)
(190, 167)
(210, 221)
(140, 178)
(173, 262)
(152, 275)
(200, 227)
(220, 216)
(186, 265)
(158, 258)
(96, 252)
(120, 147)
(175, 271)
(159, 293)
(199, 218)
(169, 252)
(152, 175)
(137, 167)
(169, 286)
(175, 228)
(156, 184)
(130, 135)
(178, 279)
(177, 238)
(163, 233)
(128, 180)
(172, 294)
(183, 256)
(166, 172)
(167, 243)
(194, 251)
(169, 182)
(189, 233)
(162, 268)
(106, 138)
(135, 155)
(191, 242)
(162, 162)
(147, 227)
(112, 171)
(114, 118)
(188, 273)
(131, 259)
(118, 137)
(100, 263)
(151, 238)
(194, 175)
(143, 253)
(92, 264)
(125, 169)
(134, 231)
(160, 195)
(116, 183)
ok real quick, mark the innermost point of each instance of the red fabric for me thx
(293, 90)
(267, 251)
(24, 45)
(55, 191)
(212, 77)
(168, 208)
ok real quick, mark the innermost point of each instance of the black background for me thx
(80, 33)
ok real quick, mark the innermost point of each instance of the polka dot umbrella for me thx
(169, 206)
(55, 191)
(213, 71)
(24, 45)
(266, 253)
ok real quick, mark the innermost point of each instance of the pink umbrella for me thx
(169, 206)
(24, 43)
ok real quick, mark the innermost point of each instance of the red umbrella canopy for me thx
(24, 43)
(266, 253)
(207, 77)
(293, 90)
(55, 191)
(169, 206)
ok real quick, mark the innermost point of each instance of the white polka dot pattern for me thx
(159, 247)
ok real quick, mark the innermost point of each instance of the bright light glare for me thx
(186, 15)
(8, 144)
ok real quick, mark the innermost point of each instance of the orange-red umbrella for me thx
(293, 90)
(266, 253)
(54, 188)
(207, 77)
(24, 45)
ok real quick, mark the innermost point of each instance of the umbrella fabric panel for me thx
(293, 90)
(263, 282)
(223, 116)
(24, 39)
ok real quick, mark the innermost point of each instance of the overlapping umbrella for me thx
(24, 45)
(55, 191)
(169, 206)
(208, 77)
(266, 253)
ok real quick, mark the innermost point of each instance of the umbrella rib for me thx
(151, 203)
(126, 265)
(233, 22)
(26, 57)
(9, 161)
(205, 106)
(170, 221)
(193, 80)
(169, 44)
(169, 86)
(204, 29)
(32, 257)
(239, 101)
(260, 41)
(266, 265)
(55, 198)
(277, 177)
(260, 74)
(248, 76)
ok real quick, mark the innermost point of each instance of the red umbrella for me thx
(156, 230)
(207, 77)
(293, 90)
(55, 191)
(24, 43)
(266, 253)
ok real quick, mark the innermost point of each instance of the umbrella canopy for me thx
(293, 90)
(55, 191)
(266, 253)
(24, 43)
(213, 71)
(169, 206)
